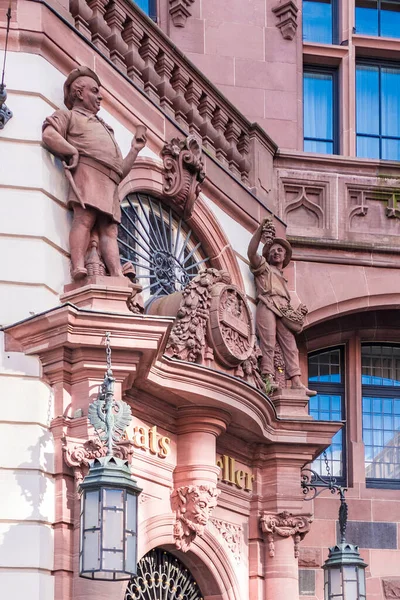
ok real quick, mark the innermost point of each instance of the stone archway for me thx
(206, 560)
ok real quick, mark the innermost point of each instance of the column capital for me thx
(285, 525)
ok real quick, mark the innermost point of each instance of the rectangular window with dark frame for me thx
(378, 17)
(149, 7)
(381, 414)
(378, 110)
(320, 21)
(319, 108)
(326, 377)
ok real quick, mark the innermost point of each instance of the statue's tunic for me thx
(100, 160)
(272, 292)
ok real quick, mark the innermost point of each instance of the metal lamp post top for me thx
(344, 554)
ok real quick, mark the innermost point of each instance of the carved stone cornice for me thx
(287, 15)
(285, 525)
(179, 11)
(183, 173)
(193, 505)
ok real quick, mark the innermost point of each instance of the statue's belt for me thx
(110, 173)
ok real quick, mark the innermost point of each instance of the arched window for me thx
(163, 249)
(162, 576)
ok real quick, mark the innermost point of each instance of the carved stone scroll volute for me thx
(183, 173)
(78, 454)
(284, 525)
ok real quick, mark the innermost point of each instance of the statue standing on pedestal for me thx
(276, 319)
(94, 167)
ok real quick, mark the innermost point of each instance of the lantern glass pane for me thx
(91, 508)
(113, 532)
(361, 581)
(91, 550)
(131, 512)
(113, 498)
(336, 581)
(351, 590)
(113, 561)
(349, 573)
(131, 552)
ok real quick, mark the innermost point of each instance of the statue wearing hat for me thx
(94, 167)
(276, 320)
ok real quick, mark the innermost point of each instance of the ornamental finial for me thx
(109, 417)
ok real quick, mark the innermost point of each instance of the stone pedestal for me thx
(291, 403)
(101, 293)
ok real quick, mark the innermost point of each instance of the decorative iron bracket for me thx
(314, 484)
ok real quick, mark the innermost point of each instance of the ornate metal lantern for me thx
(109, 495)
(344, 568)
(344, 573)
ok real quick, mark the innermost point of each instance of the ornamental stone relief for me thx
(213, 323)
(232, 536)
(373, 210)
(304, 206)
(183, 173)
(284, 525)
(78, 454)
(193, 506)
(230, 327)
(391, 588)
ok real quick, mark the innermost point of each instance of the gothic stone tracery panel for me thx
(373, 210)
(304, 206)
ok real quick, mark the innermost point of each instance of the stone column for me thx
(195, 491)
(198, 429)
(282, 534)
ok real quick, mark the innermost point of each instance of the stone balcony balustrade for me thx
(142, 52)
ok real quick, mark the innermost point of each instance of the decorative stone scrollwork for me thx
(78, 454)
(279, 365)
(214, 322)
(183, 173)
(232, 535)
(230, 326)
(179, 11)
(286, 525)
(193, 506)
(187, 340)
(287, 15)
(251, 369)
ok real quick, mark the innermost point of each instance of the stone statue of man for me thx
(94, 167)
(276, 320)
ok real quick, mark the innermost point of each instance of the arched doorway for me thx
(162, 576)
